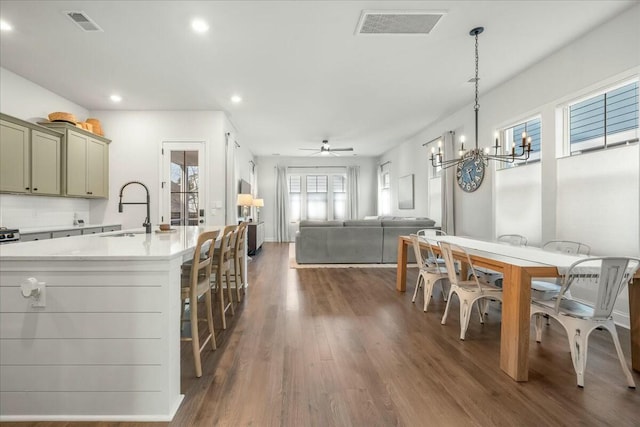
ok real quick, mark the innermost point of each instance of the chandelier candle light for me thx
(476, 154)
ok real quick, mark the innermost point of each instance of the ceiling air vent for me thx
(83, 21)
(397, 22)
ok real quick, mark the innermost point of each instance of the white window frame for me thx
(596, 144)
(303, 189)
(505, 134)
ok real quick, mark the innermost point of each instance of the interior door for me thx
(183, 181)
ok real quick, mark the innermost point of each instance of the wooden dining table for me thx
(519, 265)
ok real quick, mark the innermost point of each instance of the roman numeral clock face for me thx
(470, 174)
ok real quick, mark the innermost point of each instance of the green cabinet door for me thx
(76, 164)
(14, 158)
(97, 175)
(45, 163)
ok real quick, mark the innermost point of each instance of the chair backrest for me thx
(203, 256)
(240, 238)
(425, 232)
(608, 274)
(513, 239)
(447, 250)
(415, 240)
(431, 260)
(567, 246)
(225, 246)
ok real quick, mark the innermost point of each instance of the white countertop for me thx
(48, 229)
(134, 244)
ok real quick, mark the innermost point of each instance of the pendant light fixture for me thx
(523, 150)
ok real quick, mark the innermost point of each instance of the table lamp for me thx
(258, 203)
(245, 200)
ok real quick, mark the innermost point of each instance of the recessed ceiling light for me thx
(5, 26)
(236, 99)
(199, 26)
(116, 98)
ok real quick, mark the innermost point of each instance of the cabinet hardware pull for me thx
(35, 189)
(26, 188)
(89, 192)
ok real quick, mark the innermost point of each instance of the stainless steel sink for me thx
(124, 234)
(119, 235)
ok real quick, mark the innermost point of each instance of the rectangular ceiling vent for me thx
(83, 21)
(397, 22)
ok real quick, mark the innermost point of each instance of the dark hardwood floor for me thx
(340, 347)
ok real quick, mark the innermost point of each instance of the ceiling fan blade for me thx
(308, 149)
(342, 149)
(334, 154)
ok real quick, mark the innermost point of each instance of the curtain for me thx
(379, 193)
(448, 182)
(353, 184)
(281, 221)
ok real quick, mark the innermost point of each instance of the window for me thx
(311, 197)
(317, 190)
(513, 138)
(606, 119)
(339, 197)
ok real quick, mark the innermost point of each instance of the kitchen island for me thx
(101, 342)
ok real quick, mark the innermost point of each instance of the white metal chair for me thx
(430, 272)
(547, 289)
(608, 275)
(425, 233)
(468, 291)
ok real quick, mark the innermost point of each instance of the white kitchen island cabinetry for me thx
(106, 345)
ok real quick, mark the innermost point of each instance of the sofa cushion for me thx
(310, 223)
(362, 223)
(409, 223)
(339, 245)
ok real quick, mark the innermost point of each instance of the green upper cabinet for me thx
(14, 157)
(45, 163)
(30, 158)
(86, 162)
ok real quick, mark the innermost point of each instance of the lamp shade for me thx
(258, 203)
(245, 199)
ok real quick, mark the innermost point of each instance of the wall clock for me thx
(470, 174)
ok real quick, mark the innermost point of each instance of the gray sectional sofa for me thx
(364, 241)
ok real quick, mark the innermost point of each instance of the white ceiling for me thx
(302, 72)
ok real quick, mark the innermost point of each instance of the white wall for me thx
(134, 155)
(266, 186)
(28, 101)
(25, 100)
(603, 56)
(519, 202)
(18, 211)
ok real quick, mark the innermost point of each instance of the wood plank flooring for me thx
(340, 347)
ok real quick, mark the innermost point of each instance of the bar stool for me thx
(195, 279)
(222, 261)
(239, 253)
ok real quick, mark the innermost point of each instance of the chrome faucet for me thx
(147, 221)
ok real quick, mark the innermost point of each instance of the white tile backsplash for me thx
(18, 211)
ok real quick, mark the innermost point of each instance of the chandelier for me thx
(523, 150)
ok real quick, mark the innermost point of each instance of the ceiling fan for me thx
(326, 150)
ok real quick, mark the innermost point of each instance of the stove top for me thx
(9, 235)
